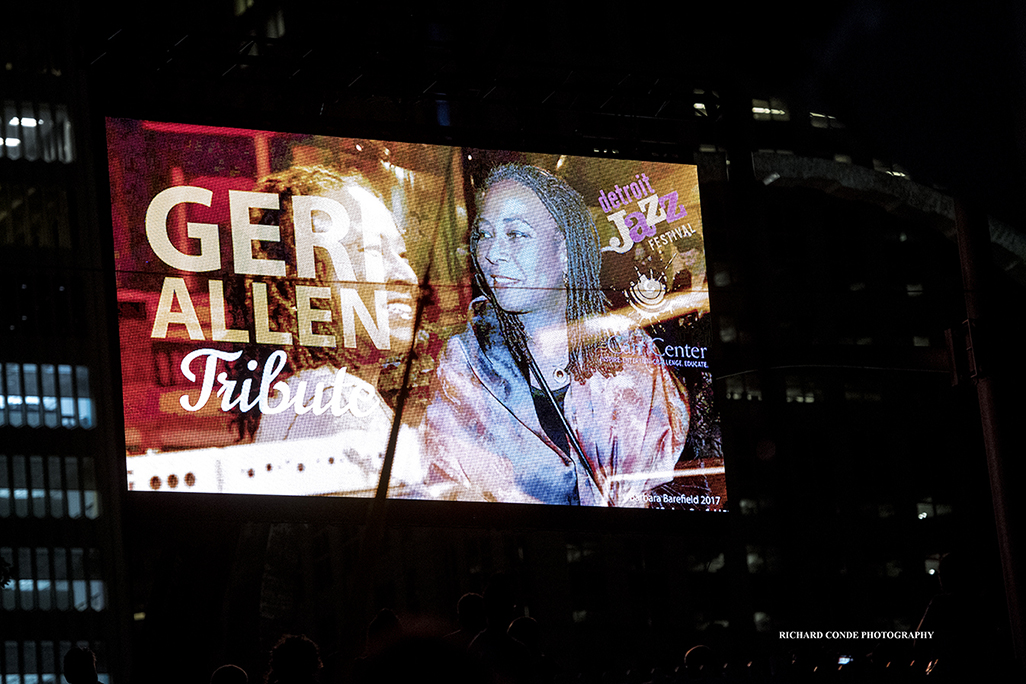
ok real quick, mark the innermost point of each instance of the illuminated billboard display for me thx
(549, 313)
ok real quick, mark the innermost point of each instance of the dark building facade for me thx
(854, 449)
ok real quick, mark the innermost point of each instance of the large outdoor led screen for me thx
(549, 311)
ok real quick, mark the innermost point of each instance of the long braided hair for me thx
(586, 302)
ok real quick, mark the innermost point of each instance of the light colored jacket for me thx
(483, 440)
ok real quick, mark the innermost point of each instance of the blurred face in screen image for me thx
(371, 240)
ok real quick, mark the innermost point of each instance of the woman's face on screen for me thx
(520, 250)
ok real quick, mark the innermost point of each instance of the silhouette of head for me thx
(383, 631)
(470, 611)
(294, 660)
(526, 631)
(229, 674)
(80, 666)
(698, 662)
(500, 602)
(957, 574)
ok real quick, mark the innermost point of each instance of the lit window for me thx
(706, 102)
(721, 275)
(45, 395)
(45, 580)
(50, 487)
(575, 553)
(800, 390)
(35, 131)
(36, 662)
(928, 509)
(743, 387)
(754, 559)
(770, 110)
(865, 389)
(275, 26)
(716, 564)
(728, 331)
(824, 121)
(704, 563)
(890, 169)
(762, 620)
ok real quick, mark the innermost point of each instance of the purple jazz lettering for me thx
(604, 203)
(636, 191)
(673, 212)
(639, 229)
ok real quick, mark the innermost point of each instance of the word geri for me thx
(176, 303)
(636, 226)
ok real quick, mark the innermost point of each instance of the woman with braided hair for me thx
(546, 398)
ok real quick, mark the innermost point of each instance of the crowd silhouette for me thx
(496, 644)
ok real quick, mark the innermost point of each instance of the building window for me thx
(707, 102)
(824, 121)
(862, 392)
(743, 387)
(35, 131)
(763, 622)
(61, 579)
(762, 559)
(45, 395)
(32, 215)
(40, 662)
(705, 563)
(928, 509)
(890, 169)
(770, 110)
(275, 26)
(801, 390)
(48, 487)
